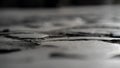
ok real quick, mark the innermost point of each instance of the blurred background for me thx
(51, 3)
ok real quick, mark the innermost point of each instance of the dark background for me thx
(51, 3)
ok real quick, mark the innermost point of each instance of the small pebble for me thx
(5, 30)
(5, 51)
(66, 56)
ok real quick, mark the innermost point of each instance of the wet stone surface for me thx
(59, 41)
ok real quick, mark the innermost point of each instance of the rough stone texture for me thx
(73, 40)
